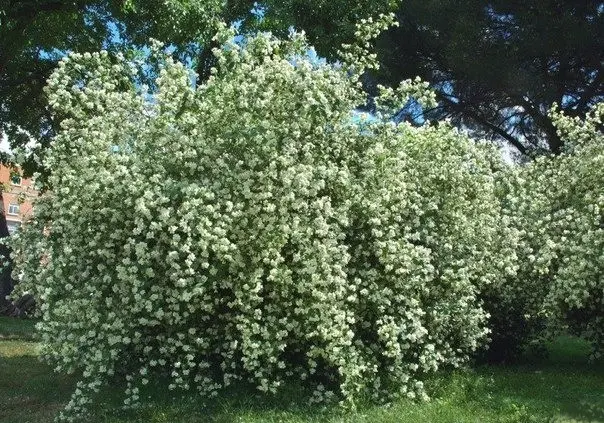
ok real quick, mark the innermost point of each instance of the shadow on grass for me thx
(553, 391)
(565, 387)
(241, 404)
(564, 381)
(16, 328)
(30, 391)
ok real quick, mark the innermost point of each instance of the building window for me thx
(15, 180)
(13, 209)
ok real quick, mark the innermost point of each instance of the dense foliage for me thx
(247, 229)
(497, 66)
(500, 65)
(577, 295)
(559, 283)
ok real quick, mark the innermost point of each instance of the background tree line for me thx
(498, 66)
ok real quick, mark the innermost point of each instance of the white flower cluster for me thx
(246, 230)
(392, 100)
(555, 207)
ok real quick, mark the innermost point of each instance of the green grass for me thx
(565, 387)
(21, 329)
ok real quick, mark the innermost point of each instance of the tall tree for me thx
(500, 65)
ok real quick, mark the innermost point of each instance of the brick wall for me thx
(17, 196)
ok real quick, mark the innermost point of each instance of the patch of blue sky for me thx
(309, 56)
(411, 112)
(52, 54)
(258, 10)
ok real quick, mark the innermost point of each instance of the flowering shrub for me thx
(555, 207)
(576, 296)
(247, 230)
(515, 301)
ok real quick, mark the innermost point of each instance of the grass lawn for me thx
(562, 388)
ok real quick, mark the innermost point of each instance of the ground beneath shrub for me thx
(562, 388)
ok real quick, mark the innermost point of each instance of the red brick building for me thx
(17, 197)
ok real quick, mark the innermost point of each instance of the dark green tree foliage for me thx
(500, 65)
(31, 34)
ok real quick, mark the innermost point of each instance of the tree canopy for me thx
(497, 66)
